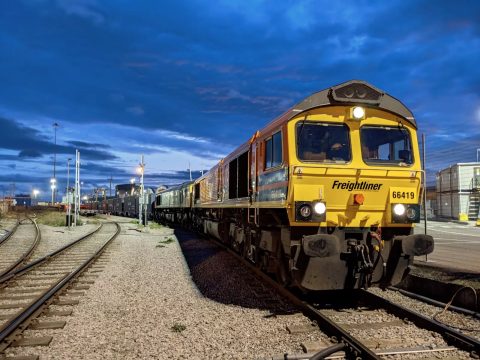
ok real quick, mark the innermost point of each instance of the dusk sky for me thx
(188, 81)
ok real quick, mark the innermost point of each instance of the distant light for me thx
(35, 192)
(85, 198)
(53, 181)
(52, 186)
(140, 169)
(358, 112)
(132, 180)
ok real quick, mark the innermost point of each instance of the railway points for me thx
(19, 245)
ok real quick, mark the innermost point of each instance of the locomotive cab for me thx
(355, 186)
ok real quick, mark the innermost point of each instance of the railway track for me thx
(7, 233)
(18, 245)
(363, 325)
(27, 292)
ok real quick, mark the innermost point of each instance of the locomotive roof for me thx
(354, 92)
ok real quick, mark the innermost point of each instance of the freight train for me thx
(128, 206)
(324, 197)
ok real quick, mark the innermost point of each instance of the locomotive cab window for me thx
(388, 145)
(323, 142)
(273, 151)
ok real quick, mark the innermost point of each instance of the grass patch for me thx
(154, 225)
(167, 241)
(54, 218)
(162, 243)
(133, 222)
(178, 328)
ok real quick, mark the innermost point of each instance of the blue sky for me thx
(188, 81)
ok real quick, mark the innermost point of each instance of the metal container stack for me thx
(458, 191)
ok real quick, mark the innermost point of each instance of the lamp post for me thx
(141, 170)
(54, 179)
(69, 208)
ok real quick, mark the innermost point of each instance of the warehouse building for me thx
(458, 191)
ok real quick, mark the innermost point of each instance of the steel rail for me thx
(434, 302)
(47, 296)
(10, 232)
(27, 254)
(5, 277)
(451, 336)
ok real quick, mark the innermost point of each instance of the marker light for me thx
(305, 211)
(320, 208)
(411, 213)
(358, 199)
(358, 112)
(399, 209)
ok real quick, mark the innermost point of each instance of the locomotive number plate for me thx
(402, 195)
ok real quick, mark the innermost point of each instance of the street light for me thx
(55, 126)
(69, 208)
(141, 199)
(132, 181)
(53, 185)
(35, 193)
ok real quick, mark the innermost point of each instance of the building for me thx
(458, 191)
(18, 200)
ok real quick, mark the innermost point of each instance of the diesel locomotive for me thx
(324, 197)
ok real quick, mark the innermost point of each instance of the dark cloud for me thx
(85, 145)
(28, 153)
(32, 144)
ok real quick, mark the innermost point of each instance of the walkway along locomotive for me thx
(324, 197)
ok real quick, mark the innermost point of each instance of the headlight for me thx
(320, 208)
(358, 112)
(399, 209)
(305, 211)
(314, 211)
(405, 214)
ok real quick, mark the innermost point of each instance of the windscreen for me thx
(389, 145)
(323, 142)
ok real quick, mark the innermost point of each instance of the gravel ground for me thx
(145, 305)
(445, 275)
(54, 238)
(6, 224)
(151, 303)
(449, 317)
